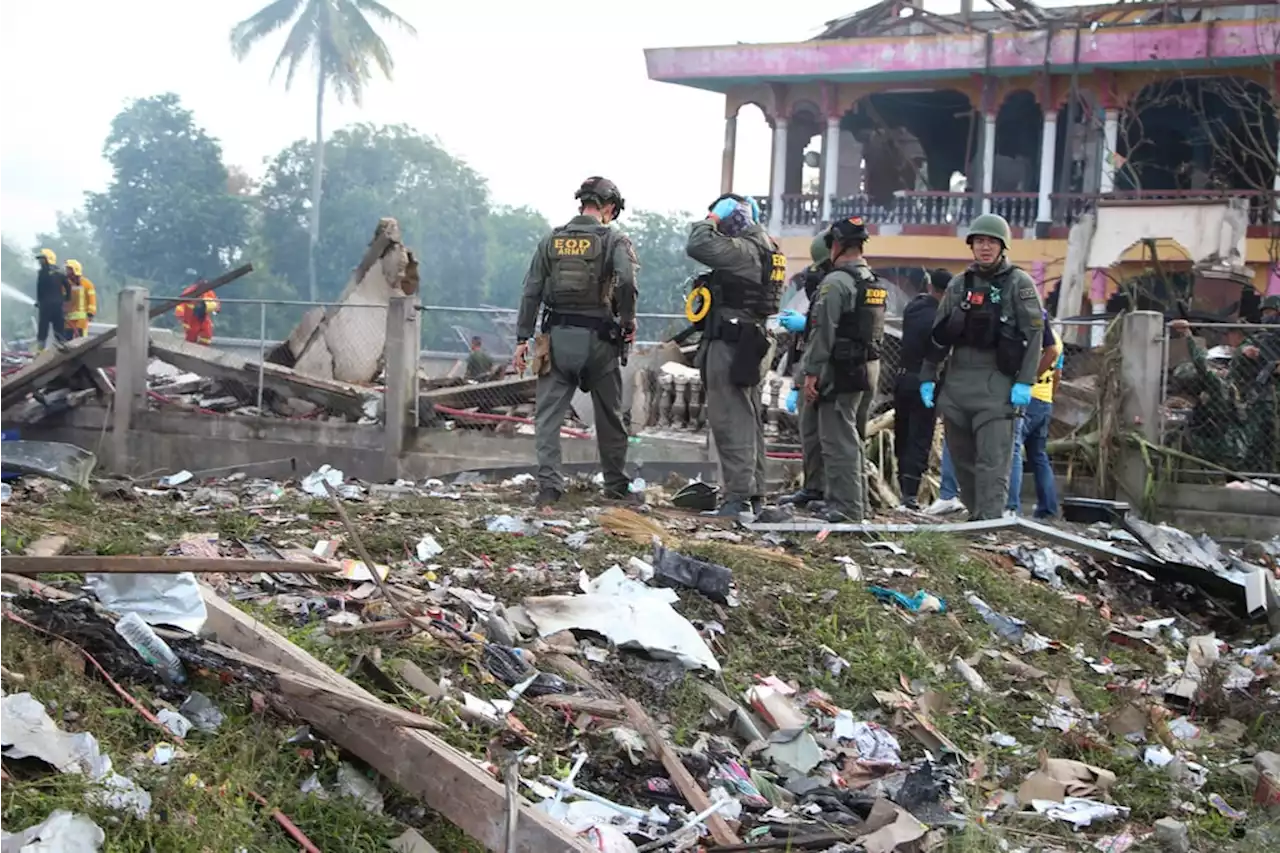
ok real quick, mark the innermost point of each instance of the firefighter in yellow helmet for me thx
(83, 305)
(52, 292)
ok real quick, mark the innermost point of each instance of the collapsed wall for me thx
(345, 342)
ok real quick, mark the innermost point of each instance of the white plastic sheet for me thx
(60, 832)
(639, 621)
(159, 599)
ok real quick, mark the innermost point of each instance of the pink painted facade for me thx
(1189, 45)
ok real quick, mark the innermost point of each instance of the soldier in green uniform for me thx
(746, 281)
(811, 491)
(1216, 430)
(991, 323)
(479, 362)
(584, 274)
(844, 342)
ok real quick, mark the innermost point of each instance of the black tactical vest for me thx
(864, 325)
(581, 278)
(760, 297)
(984, 320)
(975, 321)
(859, 331)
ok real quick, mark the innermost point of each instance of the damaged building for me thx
(920, 121)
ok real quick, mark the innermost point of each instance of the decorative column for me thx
(1048, 159)
(830, 165)
(779, 176)
(988, 158)
(726, 159)
(1110, 134)
(1275, 200)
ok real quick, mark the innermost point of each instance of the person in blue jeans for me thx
(1031, 431)
(949, 491)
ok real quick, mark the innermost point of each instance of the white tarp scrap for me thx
(29, 732)
(60, 832)
(626, 619)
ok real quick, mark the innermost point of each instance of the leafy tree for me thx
(439, 201)
(659, 241)
(168, 208)
(343, 46)
(513, 233)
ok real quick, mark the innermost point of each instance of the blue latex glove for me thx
(792, 400)
(926, 393)
(724, 208)
(792, 321)
(755, 209)
(1020, 395)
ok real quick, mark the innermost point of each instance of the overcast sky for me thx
(534, 95)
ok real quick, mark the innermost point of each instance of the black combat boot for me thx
(800, 498)
(731, 509)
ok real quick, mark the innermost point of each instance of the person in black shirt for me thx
(913, 424)
(52, 292)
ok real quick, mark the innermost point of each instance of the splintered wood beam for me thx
(447, 780)
(110, 565)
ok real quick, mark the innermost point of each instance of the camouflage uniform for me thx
(1215, 431)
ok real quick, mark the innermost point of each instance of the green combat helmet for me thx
(1271, 303)
(990, 225)
(818, 248)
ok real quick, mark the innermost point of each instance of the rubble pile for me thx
(655, 680)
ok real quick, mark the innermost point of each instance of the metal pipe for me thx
(262, 350)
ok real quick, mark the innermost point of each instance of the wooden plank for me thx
(294, 685)
(446, 780)
(680, 775)
(218, 364)
(581, 704)
(155, 565)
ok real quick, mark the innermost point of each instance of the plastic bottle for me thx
(150, 647)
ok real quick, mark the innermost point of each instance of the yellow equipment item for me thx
(699, 313)
(75, 268)
(48, 255)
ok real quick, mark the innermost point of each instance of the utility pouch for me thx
(748, 353)
(610, 332)
(541, 354)
(849, 365)
(1011, 346)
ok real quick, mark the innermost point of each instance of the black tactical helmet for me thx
(846, 231)
(603, 191)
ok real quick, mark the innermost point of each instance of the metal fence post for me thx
(262, 349)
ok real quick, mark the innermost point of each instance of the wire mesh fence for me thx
(336, 341)
(468, 380)
(1221, 401)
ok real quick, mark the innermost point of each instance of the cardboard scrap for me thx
(889, 828)
(1058, 778)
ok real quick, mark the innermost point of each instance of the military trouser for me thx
(733, 412)
(842, 457)
(810, 443)
(580, 359)
(974, 404)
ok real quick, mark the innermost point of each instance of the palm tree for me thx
(338, 37)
